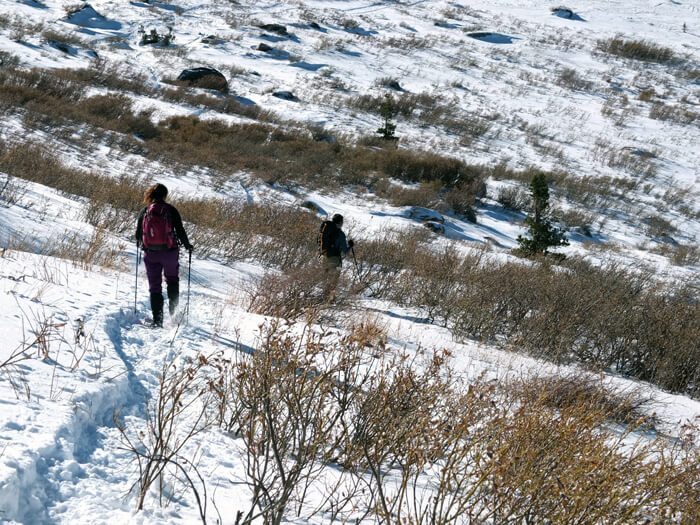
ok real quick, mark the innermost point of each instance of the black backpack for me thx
(327, 236)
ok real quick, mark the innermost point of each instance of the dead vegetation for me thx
(176, 415)
(637, 50)
(606, 318)
(271, 153)
(398, 438)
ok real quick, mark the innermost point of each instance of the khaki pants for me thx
(331, 274)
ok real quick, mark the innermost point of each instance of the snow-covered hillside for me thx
(502, 84)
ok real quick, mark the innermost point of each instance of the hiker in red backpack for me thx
(159, 231)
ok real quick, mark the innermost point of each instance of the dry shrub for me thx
(426, 194)
(402, 426)
(292, 398)
(513, 198)
(368, 333)
(681, 254)
(53, 36)
(289, 295)
(571, 79)
(114, 112)
(384, 257)
(406, 443)
(97, 250)
(640, 164)
(223, 104)
(435, 283)
(560, 466)
(395, 438)
(657, 226)
(637, 50)
(603, 317)
(11, 190)
(107, 195)
(51, 99)
(279, 236)
(578, 221)
(647, 95)
(584, 190)
(177, 414)
(573, 390)
(276, 235)
(8, 59)
(678, 114)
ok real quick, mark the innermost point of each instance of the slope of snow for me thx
(62, 457)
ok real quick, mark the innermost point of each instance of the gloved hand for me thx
(351, 243)
(189, 247)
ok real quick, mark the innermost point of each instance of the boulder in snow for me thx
(492, 38)
(565, 12)
(86, 16)
(285, 95)
(212, 40)
(425, 215)
(437, 227)
(314, 207)
(274, 28)
(204, 77)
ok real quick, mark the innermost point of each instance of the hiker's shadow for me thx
(225, 341)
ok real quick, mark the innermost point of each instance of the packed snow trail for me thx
(105, 471)
(67, 463)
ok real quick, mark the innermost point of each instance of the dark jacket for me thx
(332, 241)
(341, 242)
(180, 233)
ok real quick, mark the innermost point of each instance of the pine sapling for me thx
(388, 110)
(543, 233)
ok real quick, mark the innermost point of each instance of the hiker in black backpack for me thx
(333, 245)
(159, 231)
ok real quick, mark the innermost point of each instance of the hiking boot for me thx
(157, 309)
(173, 296)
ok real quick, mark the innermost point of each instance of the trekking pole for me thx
(189, 278)
(136, 288)
(357, 269)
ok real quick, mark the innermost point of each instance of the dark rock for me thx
(394, 84)
(63, 47)
(265, 48)
(425, 215)
(285, 95)
(204, 77)
(321, 135)
(86, 16)
(312, 206)
(435, 227)
(275, 28)
(565, 12)
(314, 25)
(212, 40)
(492, 38)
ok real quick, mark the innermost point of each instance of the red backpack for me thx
(158, 233)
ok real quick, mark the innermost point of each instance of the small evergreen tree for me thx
(542, 232)
(387, 110)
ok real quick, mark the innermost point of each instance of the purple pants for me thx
(159, 263)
